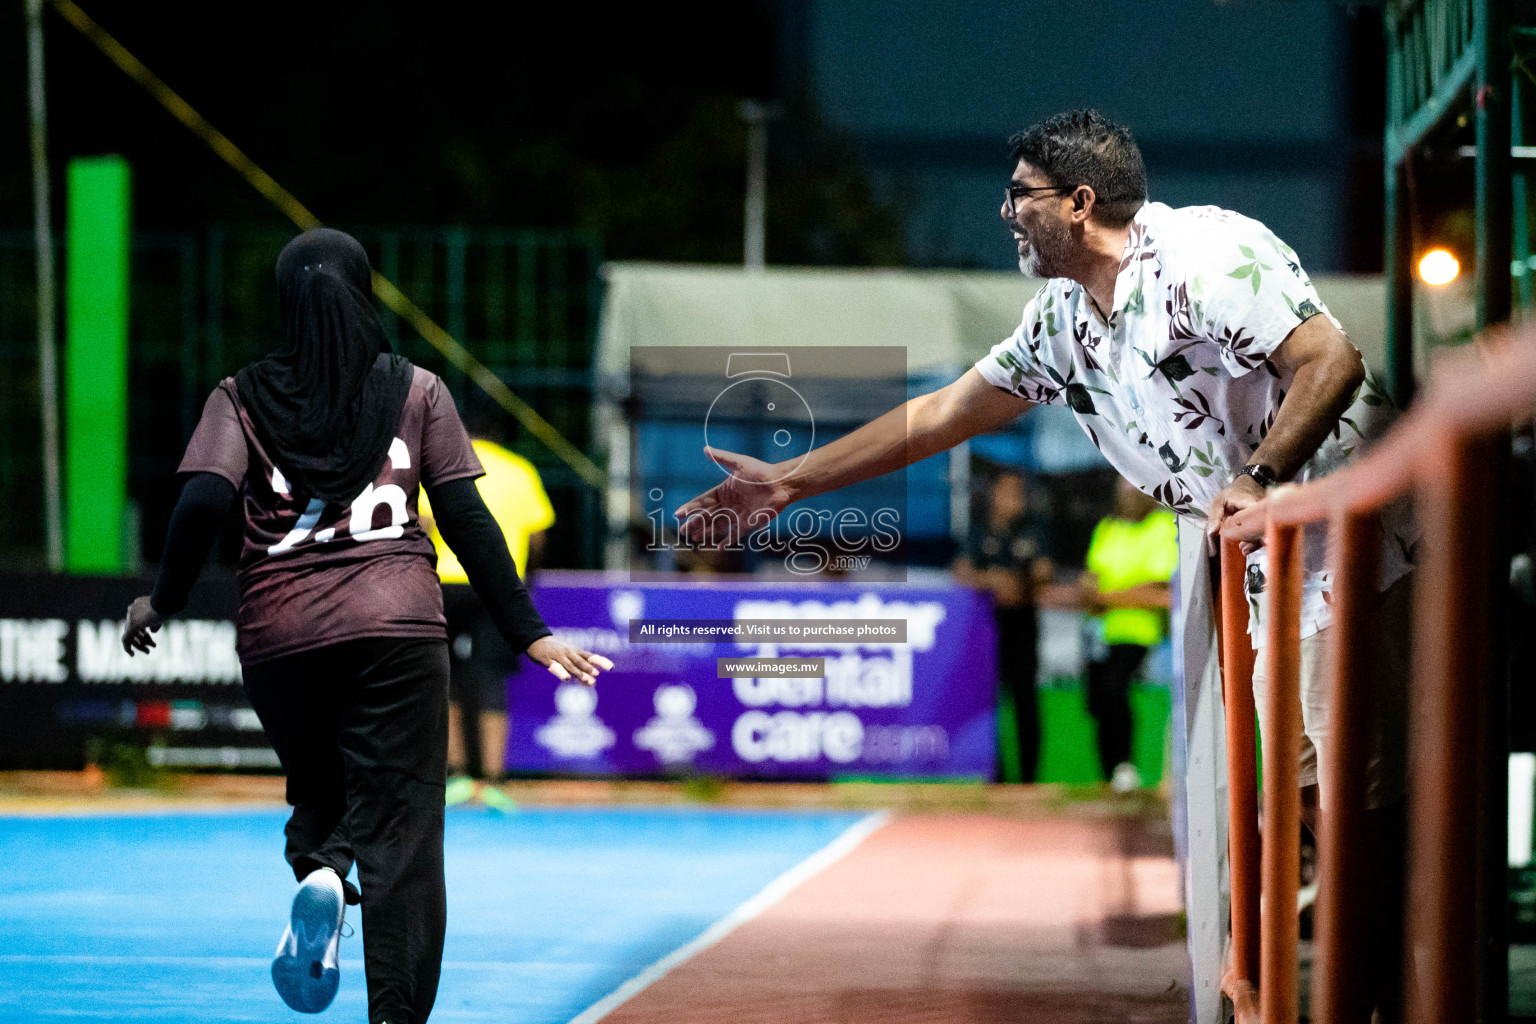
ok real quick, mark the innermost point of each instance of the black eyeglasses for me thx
(1013, 193)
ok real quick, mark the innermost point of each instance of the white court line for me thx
(772, 893)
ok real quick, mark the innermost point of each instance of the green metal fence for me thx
(525, 302)
(1448, 63)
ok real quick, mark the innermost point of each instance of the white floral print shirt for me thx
(1177, 389)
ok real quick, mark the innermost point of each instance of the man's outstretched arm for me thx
(757, 491)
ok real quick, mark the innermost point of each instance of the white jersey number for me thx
(360, 519)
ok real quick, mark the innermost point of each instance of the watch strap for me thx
(1260, 474)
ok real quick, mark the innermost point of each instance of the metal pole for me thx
(960, 491)
(47, 304)
(1496, 214)
(1399, 268)
(1493, 818)
(1490, 21)
(756, 116)
(1279, 997)
(1398, 261)
(1520, 222)
(1345, 863)
(1450, 670)
(1242, 779)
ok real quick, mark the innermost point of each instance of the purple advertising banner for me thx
(921, 708)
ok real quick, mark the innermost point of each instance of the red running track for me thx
(938, 919)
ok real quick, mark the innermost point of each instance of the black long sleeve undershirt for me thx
(471, 531)
(195, 525)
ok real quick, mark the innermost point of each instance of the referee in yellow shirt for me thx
(480, 660)
(1130, 560)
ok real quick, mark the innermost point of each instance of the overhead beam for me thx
(1422, 123)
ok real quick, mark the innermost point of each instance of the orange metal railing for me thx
(1444, 452)
(1242, 790)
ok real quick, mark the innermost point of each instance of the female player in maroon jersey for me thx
(341, 634)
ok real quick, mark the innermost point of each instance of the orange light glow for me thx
(1438, 267)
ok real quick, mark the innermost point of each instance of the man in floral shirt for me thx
(1196, 355)
(1210, 323)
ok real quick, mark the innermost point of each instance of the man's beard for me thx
(1048, 245)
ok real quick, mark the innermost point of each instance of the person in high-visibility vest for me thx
(480, 661)
(1130, 561)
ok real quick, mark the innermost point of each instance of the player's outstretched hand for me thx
(142, 621)
(748, 499)
(566, 662)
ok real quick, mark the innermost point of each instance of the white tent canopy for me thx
(946, 319)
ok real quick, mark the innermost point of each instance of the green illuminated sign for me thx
(96, 365)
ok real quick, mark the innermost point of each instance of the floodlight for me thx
(1438, 267)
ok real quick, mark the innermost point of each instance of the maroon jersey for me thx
(313, 574)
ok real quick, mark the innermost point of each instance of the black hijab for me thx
(326, 406)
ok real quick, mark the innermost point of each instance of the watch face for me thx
(775, 406)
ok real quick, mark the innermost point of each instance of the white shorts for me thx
(1386, 768)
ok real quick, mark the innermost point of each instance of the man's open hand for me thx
(748, 499)
(566, 662)
(1244, 492)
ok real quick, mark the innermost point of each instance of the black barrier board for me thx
(67, 685)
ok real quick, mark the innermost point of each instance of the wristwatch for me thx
(1261, 474)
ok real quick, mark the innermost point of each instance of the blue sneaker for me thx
(306, 970)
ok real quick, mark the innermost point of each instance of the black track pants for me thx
(362, 731)
(1109, 702)
(1018, 662)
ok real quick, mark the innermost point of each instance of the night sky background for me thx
(623, 119)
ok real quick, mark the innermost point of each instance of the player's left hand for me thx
(142, 621)
(566, 662)
(1243, 492)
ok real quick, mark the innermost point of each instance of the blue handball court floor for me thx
(173, 917)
